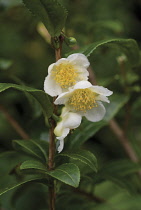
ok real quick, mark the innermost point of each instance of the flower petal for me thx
(61, 146)
(50, 68)
(83, 71)
(79, 59)
(62, 98)
(72, 120)
(58, 131)
(51, 87)
(61, 60)
(65, 132)
(82, 85)
(96, 114)
(101, 90)
(102, 98)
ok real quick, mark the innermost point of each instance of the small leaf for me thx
(127, 46)
(29, 147)
(31, 164)
(9, 160)
(10, 182)
(84, 156)
(43, 146)
(50, 12)
(39, 95)
(67, 173)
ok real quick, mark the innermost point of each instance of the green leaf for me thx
(84, 156)
(10, 182)
(43, 146)
(50, 12)
(32, 164)
(31, 147)
(87, 129)
(67, 173)
(9, 160)
(127, 46)
(39, 95)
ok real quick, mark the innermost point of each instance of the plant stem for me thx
(14, 123)
(52, 147)
(51, 166)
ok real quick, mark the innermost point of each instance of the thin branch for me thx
(123, 140)
(95, 198)
(14, 123)
(92, 77)
(90, 196)
(117, 130)
(52, 194)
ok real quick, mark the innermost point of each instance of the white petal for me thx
(72, 120)
(82, 71)
(79, 59)
(51, 87)
(62, 98)
(65, 132)
(50, 68)
(82, 85)
(61, 146)
(96, 114)
(58, 131)
(62, 60)
(101, 90)
(102, 98)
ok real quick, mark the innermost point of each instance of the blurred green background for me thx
(25, 56)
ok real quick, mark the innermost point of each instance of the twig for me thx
(95, 198)
(123, 140)
(90, 196)
(14, 123)
(92, 77)
(52, 147)
(117, 130)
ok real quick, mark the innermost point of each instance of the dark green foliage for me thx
(39, 95)
(50, 12)
(93, 171)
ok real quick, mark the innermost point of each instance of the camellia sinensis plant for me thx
(64, 125)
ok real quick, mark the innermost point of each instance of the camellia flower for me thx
(65, 73)
(69, 120)
(85, 100)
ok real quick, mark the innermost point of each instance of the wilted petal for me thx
(61, 146)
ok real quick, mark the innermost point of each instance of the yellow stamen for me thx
(65, 75)
(82, 100)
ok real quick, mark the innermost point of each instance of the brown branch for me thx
(92, 77)
(52, 194)
(95, 198)
(123, 140)
(90, 196)
(117, 130)
(14, 123)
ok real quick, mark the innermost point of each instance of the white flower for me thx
(85, 100)
(65, 73)
(69, 121)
